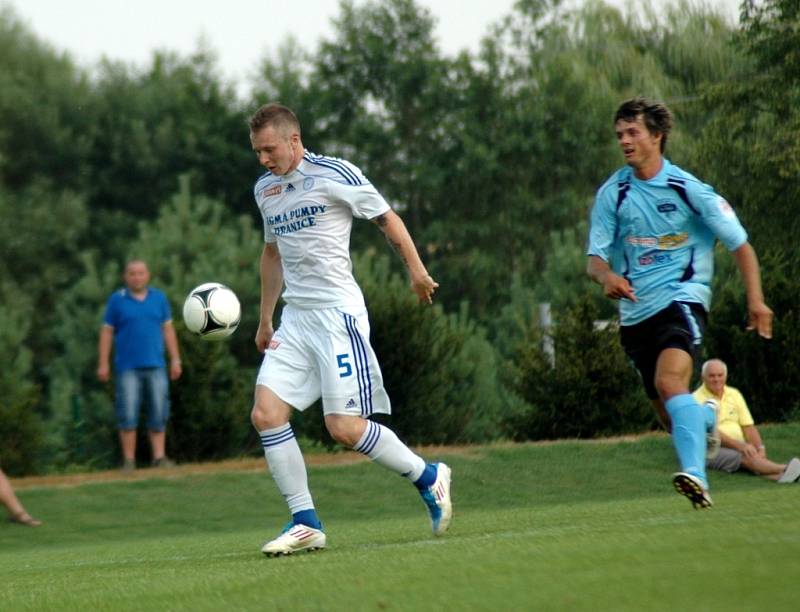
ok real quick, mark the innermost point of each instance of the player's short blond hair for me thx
(281, 117)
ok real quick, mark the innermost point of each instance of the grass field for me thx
(562, 526)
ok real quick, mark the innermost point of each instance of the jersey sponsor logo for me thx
(350, 404)
(294, 226)
(271, 191)
(670, 241)
(297, 213)
(645, 241)
(289, 188)
(666, 207)
(673, 241)
(655, 259)
(308, 183)
(295, 220)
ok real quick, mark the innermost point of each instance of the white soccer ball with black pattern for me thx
(212, 311)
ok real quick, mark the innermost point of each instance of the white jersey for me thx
(309, 214)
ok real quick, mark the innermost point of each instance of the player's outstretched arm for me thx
(397, 234)
(614, 285)
(271, 285)
(759, 315)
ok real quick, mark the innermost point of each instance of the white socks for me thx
(288, 468)
(380, 444)
(286, 464)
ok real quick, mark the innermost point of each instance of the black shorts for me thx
(680, 325)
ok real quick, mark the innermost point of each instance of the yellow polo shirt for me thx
(733, 411)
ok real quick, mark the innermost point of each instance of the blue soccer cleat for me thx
(437, 500)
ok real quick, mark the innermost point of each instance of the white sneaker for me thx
(437, 500)
(792, 471)
(713, 442)
(293, 539)
(691, 487)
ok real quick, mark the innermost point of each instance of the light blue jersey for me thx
(660, 234)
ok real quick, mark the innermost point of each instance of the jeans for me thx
(133, 386)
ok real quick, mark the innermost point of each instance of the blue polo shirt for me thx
(138, 334)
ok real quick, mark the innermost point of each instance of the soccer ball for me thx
(212, 311)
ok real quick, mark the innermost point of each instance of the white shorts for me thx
(325, 353)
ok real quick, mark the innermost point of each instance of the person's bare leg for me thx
(127, 441)
(662, 414)
(16, 511)
(157, 444)
(763, 467)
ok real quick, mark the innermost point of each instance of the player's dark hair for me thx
(278, 116)
(657, 117)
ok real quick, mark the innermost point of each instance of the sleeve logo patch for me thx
(725, 208)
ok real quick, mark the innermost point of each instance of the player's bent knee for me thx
(346, 430)
(256, 419)
(669, 387)
(268, 415)
(263, 418)
(269, 410)
(340, 434)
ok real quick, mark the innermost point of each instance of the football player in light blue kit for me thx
(321, 348)
(651, 246)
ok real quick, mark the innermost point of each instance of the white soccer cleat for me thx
(437, 500)
(294, 539)
(692, 488)
(713, 442)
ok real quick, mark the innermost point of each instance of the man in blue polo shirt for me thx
(139, 321)
(651, 246)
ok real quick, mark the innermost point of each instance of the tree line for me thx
(492, 158)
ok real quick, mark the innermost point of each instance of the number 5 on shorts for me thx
(344, 366)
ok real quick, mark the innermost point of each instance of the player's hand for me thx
(616, 287)
(759, 318)
(103, 373)
(424, 286)
(263, 336)
(175, 369)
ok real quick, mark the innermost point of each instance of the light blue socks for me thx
(690, 421)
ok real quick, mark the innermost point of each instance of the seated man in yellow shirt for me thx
(741, 443)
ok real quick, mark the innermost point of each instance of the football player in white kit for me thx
(322, 348)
